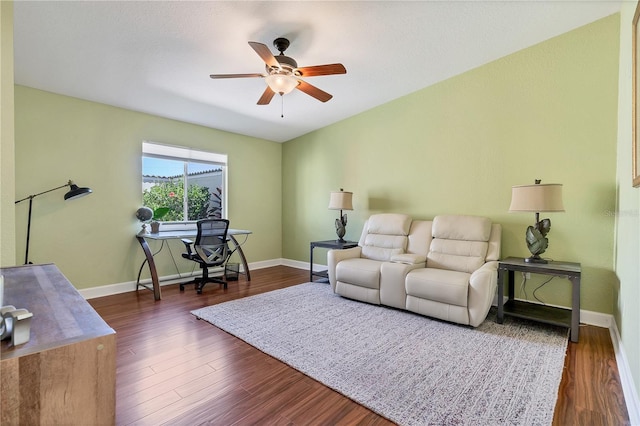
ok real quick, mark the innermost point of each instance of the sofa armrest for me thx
(482, 288)
(409, 258)
(336, 256)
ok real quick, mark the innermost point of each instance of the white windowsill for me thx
(177, 226)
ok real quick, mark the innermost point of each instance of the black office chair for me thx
(210, 249)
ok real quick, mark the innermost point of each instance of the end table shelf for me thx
(542, 313)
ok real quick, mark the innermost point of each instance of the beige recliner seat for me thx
(460, 279)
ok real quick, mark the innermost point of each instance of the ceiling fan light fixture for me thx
(282, 83)
(282, 73)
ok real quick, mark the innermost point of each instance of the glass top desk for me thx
(177, 235)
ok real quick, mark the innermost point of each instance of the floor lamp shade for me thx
(341, 200)
(74, 192)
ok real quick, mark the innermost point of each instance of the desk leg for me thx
(152, 267)
(575, 309)
(242, 258)
(500, 300)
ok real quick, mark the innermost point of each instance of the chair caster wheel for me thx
(199, 291)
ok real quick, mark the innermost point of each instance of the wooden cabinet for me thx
(65, 374)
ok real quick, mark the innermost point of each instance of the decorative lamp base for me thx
(341, 230)
(536, 259)
(143, 231)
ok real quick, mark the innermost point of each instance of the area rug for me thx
(408, 368)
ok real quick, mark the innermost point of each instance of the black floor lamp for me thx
(74, 192)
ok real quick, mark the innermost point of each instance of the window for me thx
(191, 184)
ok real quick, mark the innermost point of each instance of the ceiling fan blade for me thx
(313, 91)
(266, 96)
(263, 51)
(235, 75)
(328, 69)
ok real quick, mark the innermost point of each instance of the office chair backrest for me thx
(211, 241)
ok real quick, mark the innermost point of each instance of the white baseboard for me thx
(626, 379)
(596, 318)
(265, 264)
(302, 265)
(111, 289)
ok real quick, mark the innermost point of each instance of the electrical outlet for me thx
(527, 275)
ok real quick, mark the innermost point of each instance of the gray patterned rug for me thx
(405, 367)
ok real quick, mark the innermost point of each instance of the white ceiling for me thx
(156, 57)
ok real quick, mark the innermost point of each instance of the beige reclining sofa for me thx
(445, 268)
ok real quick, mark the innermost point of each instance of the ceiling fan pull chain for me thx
(281, 106)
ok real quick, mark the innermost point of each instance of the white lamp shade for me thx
(341, 200)
(282, 83)
(537, 198)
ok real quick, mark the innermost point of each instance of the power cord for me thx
(539, 287)
(523, 286)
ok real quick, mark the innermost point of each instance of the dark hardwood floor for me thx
(174, 369)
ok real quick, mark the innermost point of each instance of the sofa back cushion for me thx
(420, 237)
(385, 235)
(460, 243)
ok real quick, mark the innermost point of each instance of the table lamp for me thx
(341, 200)
(537, 198)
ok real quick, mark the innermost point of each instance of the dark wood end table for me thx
(537, 312)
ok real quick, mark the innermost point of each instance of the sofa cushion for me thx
(460, 227)
(460, 243)
(454, 255)
(383, 247)
(360, 272)
(439, 285)
(389, 224)
(385, 235)
(409, 259)
(420, 237)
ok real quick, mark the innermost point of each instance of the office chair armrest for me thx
(187, 244)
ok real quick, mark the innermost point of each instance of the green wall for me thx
(627, 236)
(7, 178)
(457, 147)
(91, 239)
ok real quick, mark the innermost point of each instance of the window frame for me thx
(157, 150)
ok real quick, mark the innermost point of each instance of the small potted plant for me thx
(158, 214)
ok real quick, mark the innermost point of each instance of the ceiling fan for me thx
(283, 75)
